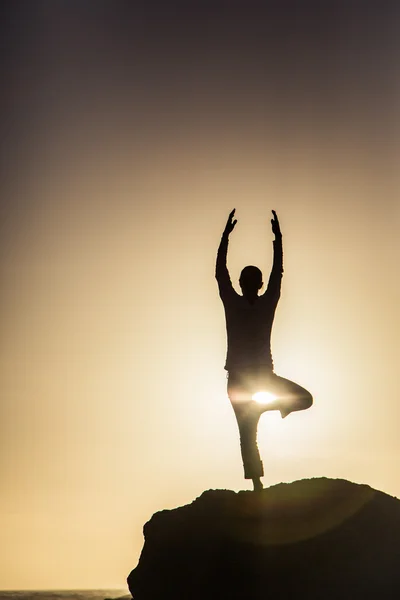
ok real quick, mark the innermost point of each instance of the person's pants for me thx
(288, 397)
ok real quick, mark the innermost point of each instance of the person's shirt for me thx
(248, 325)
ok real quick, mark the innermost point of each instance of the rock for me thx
(314, 539)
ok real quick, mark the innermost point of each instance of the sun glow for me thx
(264, 397)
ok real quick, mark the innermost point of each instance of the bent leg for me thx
(290, 396)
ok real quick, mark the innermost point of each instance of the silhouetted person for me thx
(249, 363)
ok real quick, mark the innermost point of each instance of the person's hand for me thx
(275, 225)
(230, 224)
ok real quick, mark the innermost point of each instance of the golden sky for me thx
(130, 133)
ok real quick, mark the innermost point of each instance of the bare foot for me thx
(285, 412)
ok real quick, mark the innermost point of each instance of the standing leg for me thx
(247, 419)
(247, 414)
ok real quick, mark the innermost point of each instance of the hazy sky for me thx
(130, 130)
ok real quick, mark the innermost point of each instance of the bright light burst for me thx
(264, 397)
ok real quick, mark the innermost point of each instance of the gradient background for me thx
(130, 130)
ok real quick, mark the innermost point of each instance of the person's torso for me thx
(249, 327)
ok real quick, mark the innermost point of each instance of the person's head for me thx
(251, 280)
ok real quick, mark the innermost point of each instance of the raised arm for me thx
(275, 279)
(221, 269)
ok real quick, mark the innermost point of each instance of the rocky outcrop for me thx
(316, 539)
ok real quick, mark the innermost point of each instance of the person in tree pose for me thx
(253, 387)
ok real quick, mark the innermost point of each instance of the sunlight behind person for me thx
(264, 397)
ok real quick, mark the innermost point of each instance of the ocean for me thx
(64, 595)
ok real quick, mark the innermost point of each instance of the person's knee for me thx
(307, 401)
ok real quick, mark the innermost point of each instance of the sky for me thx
(130, 130)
